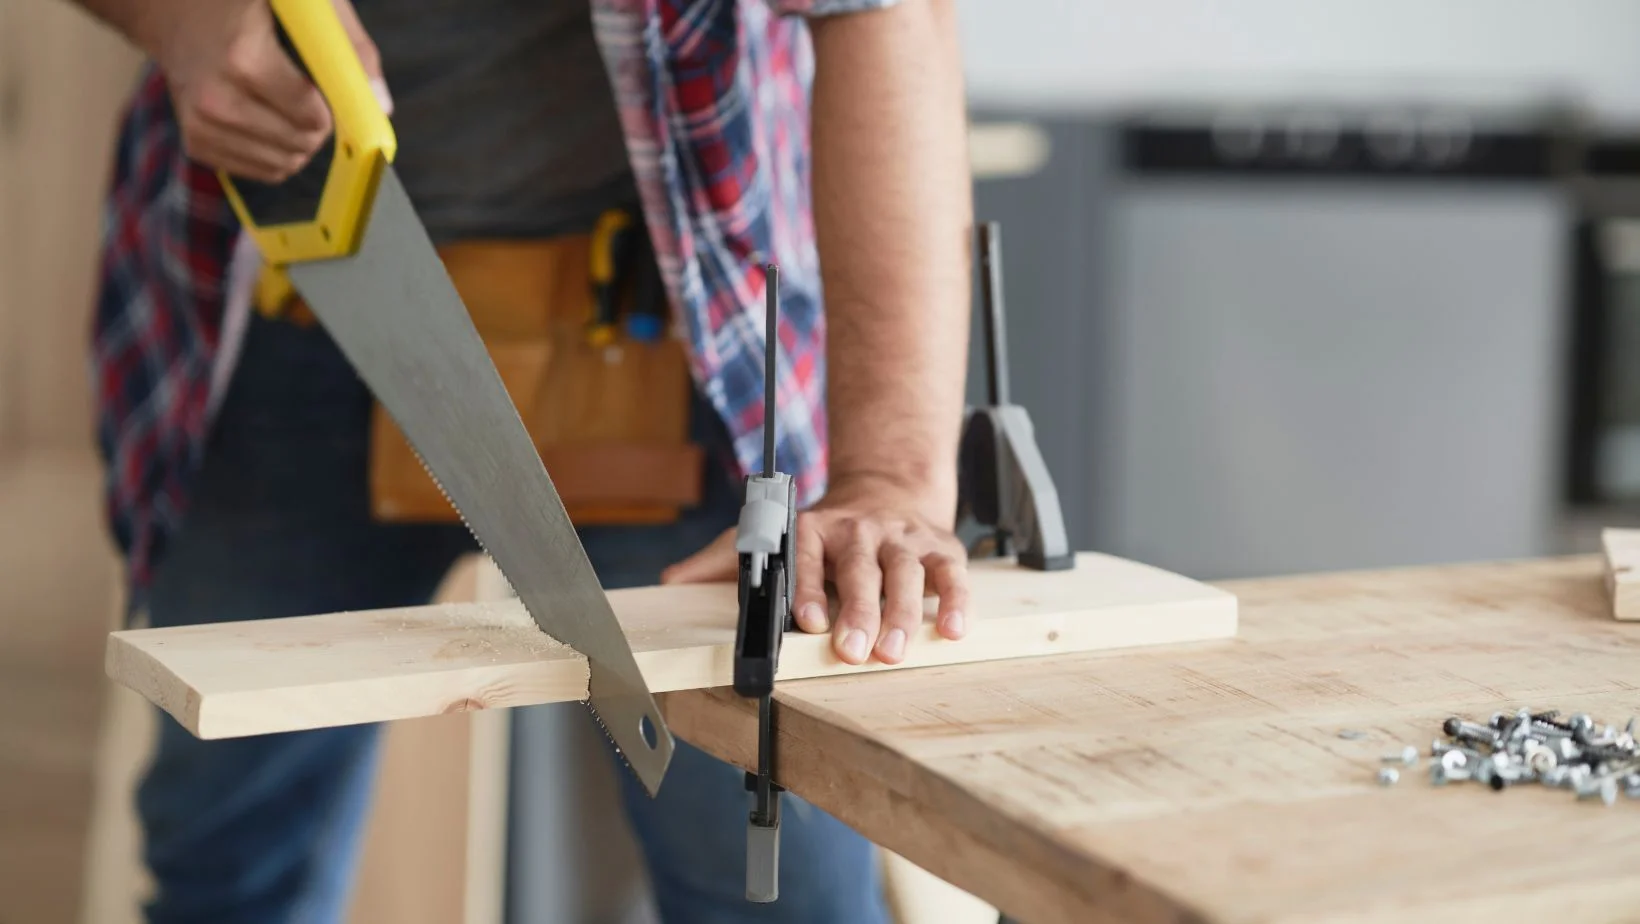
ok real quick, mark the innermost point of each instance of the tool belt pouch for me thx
(611, 421)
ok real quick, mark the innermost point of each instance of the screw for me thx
(1582, 725)
(1351, 735)
(1469, 731)
(1517, 726)
(1389, 776)
(1605, 752)
(1546, 730)
(1484, 771)
(1407, 755)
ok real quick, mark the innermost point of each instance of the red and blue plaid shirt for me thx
(713, 98)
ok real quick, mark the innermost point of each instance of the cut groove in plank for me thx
(243, 678)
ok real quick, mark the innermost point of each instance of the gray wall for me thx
(1096, 52)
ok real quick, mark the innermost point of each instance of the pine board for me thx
(1622, 550)
(243, 678)
(1209, 783)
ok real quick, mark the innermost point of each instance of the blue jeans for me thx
(267, 828)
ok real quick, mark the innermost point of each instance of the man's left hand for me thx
(883, 551)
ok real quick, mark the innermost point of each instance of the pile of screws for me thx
(1592, 761)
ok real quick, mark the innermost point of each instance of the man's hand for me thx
(893, 221)
(871, 539)
(242, 104)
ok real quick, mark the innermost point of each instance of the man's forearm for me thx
(893, 219)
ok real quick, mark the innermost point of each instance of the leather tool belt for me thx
(577, 327)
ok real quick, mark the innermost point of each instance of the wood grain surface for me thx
(241, 678)
(1621, 548)
(1208, 782)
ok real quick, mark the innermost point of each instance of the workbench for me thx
(1208, 782)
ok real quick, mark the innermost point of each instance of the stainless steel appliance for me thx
(1292, 339)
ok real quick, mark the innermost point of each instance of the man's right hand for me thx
(244, 107)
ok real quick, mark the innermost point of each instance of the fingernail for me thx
(812, 618)
(954, 622)
(854, 645)
(894, 644)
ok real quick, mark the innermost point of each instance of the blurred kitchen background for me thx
(1290, 286)
(1305, 286)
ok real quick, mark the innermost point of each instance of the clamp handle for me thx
(319, 212)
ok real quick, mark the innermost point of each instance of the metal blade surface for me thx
(397, 317)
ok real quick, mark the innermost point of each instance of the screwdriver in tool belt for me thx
(615, 251)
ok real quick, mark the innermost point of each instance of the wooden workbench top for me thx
(1208, 782)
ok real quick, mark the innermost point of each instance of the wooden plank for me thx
(1622, 571)
(1208, 783)
(245, 678)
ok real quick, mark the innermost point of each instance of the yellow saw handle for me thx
(319, 213)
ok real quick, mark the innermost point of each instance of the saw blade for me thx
(395, 314)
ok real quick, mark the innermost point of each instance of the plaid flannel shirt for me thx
(713, 98)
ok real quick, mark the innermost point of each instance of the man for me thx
(236, 481)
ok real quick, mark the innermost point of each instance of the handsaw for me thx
(345, 233)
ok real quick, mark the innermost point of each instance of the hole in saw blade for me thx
(646, 728)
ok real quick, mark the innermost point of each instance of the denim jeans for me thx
(266, 829)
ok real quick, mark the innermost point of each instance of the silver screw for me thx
(1483, 772)
(1545, 730)
(1389, 776)
(1351, 735)
(1582, 725)
(1407, 755)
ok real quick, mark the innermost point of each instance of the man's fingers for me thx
(948, 575)
(902, 607)
(215, 148)
(251, 123)
(809, 593)
(859, 588)
(263, 69)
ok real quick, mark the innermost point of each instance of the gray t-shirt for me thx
(505, 119)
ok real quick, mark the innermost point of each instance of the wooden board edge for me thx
(497, 688)
(829, 762)
(132, 666)
(1620, 559)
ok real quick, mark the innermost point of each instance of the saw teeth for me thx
(602, 727)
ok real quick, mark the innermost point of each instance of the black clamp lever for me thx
(765, 541)
(1002, 481)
